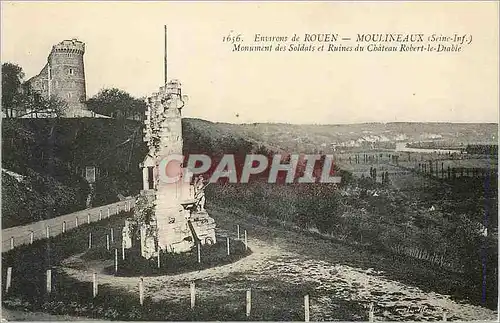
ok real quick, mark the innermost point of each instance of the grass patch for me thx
(211, 255)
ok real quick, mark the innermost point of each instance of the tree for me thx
(34, 105)
(116, 103)
(12, 77)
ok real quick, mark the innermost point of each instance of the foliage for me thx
(19, 100)
(12, 76)
(379, 216)
(116, 103)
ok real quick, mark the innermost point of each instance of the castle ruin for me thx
(171, 217)
(64, 77)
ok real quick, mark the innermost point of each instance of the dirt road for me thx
(285, 265)
(38, 230)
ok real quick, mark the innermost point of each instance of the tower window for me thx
(70, 71)
(69, 95)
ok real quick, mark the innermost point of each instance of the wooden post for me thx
(76, 222)
(108, 211)
(107, 242)
(246, 240)
(159, 263)
(90, 240)
(100, 215)
(306, 308)
(47, 231)
(141, 291)
(11, 243)
(94, 285)
(193, 295)
(8, 283)
(370, 314)
(249, 302)
(199, 253)
(32, 237)
(49, 280)
(112, 235)
(228, 251)
(88, 218)
(116, 260)
(64, 226)
(123, 251)
(238, 231)
(117, 208)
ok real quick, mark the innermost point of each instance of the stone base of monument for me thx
(211, 255)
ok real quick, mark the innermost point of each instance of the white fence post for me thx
(90, 240)
(306, 308)
(11, 243)
(32, 237)
(64, 226)
(199, 252)
(94, 285)
(108, 211)
(107, 242)
(47, 229)
(88, 218)
(100, 215)
(228, 251)
(193, 295)
(249, 302)
(141, 291)
(8, 283)
(76, 222)
(116, 260)
(238, 231)
(112, 235)
(123, 250)
(246, 240)
(49, 280)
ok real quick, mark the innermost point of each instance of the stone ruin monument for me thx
(168, 217)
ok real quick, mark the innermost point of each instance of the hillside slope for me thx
(314, 138)
(43, 162)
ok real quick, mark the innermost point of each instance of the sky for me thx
(124, 49)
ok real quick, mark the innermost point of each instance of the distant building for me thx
(64, 77)
(401, 147)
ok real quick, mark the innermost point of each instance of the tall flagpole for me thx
(165, 56)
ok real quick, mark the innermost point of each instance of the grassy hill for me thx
(43, 162)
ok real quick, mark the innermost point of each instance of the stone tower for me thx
(64, 77)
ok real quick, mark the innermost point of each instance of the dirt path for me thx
(280, 260)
